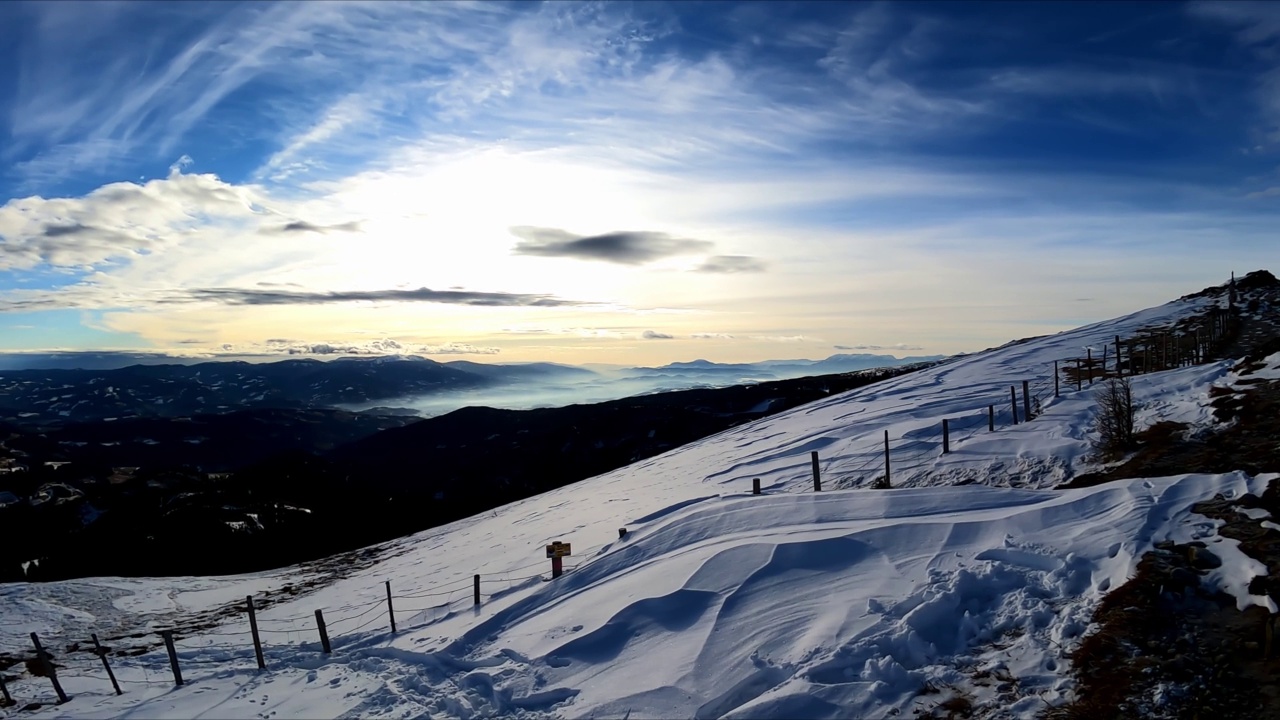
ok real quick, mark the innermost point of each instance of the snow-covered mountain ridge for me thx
(716, 603)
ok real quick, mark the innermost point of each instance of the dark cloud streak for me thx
(302, 226)
(233, 296)
(623, 247)
(729, 264)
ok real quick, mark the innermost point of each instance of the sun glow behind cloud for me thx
(569, 181)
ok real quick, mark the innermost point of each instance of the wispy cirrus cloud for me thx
(1257, 27)
(348, 153)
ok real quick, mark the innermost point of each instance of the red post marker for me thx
(557, 567)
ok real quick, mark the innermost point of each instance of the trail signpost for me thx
(556, 551)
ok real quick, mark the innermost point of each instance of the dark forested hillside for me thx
(99, 518)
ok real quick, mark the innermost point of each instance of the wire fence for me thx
(877, 462)
(233, 649)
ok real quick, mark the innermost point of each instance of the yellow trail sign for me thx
(558, 549)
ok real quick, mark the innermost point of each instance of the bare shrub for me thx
(1114, 417)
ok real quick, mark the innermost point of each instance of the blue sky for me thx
(623, 182)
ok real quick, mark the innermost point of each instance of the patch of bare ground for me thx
(1165, 647)
(950, 704)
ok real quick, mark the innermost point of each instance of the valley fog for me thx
(560, 392)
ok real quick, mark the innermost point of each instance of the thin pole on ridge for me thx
(886, 458)
(391, 610)
(1026, 402)
(43, 658)
(253, 628)
(324, 634)
(946, 437)
(1055, 378)
(817, 478)
(97, 650)
(991, 418)
(1013, 403)
(173, 656)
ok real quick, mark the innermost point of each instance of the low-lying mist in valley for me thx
(559, 392)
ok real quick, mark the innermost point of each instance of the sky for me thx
(621, 182)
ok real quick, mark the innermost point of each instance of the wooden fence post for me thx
(43, 657)
(391, 609)
(1089, 361)
(991, 418)
(622, 532)
(1026, 401)
(1105, 348)
(1013, 403)
(946, 437)
(324, 634)
(475, 590)
(97, 650)
(7, 699)
(817, 479)
(886, 458)
(755, 486)
(173, 656)
(1079, 372)
(253, 629)
(1119, 370)
(1055, 378)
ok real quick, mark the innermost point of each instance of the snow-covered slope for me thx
(716, 603)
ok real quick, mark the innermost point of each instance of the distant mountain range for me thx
(780, 369)
(60, 396)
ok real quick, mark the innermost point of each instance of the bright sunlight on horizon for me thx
(619, 182)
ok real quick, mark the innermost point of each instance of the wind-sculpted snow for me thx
(716, 603)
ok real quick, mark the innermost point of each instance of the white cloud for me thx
(120, 220)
